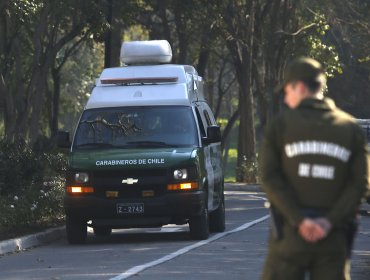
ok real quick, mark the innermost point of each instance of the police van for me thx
(146, 151)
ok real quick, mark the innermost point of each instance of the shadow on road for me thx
(140, 236)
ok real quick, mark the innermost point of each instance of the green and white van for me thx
(146, 151)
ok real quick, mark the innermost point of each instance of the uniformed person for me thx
(314, 172)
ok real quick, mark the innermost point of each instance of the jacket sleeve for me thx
(280, 194)
(347, 204)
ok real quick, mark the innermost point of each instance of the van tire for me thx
(76, 230)
(199, 226)
(217, 218)
(102, 231)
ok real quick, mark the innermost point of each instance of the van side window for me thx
(209, 115)
(200, 121)
(208, 119)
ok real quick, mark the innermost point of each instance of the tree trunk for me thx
(228, 128)
(108, 35)
(8, 109)
(162, 6)
(113, 36)
(55, 103)
(246, 137)
(182, 36)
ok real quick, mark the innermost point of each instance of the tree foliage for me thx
(51, 52)
(33, 36)
(31, 186)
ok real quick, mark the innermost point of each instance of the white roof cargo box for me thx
(146, 52)
(146, 80)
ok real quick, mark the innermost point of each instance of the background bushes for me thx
(31, 186)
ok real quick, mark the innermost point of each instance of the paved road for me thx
(169, 253)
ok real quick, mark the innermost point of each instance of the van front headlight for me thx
(180, 174)
(81, 177)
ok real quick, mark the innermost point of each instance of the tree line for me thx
(51, 52)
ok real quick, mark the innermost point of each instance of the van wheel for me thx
(102, 231)
(199, 226)
(217, 218)
(76, 230)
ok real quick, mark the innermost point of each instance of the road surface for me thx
(168, 252)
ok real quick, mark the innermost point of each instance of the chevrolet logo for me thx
(130, 181)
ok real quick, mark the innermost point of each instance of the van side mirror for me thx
(213, 135)
(63, 139)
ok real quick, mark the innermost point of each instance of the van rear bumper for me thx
(158, 211)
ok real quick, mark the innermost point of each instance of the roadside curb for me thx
(243, 187)
(32, 240)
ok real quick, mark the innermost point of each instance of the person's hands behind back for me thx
(311, 230)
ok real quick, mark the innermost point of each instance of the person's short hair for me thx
(316, 85)
(307, 70)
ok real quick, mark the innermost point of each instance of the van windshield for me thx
(136, 127)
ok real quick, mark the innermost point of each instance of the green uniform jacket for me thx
(314, 157)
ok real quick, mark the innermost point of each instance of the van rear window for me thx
(135, 127)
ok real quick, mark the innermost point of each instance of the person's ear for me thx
(301, 87)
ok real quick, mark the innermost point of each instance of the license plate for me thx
(130, 208)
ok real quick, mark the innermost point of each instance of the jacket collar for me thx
(314, 103)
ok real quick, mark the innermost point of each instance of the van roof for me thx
(141, 85)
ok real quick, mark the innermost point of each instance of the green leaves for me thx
(318, 43)
(31, 186)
